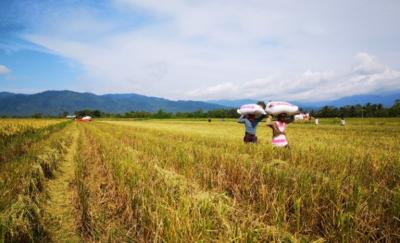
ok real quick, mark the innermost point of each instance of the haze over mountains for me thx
(57, 102)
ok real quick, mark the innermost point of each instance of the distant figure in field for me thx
(251, 122)
(209, 119)
(279, 129)
(342, 121)
(316, 121)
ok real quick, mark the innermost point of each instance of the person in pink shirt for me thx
(279, 129)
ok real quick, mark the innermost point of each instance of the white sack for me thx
(86, 118)
(251, 109)
(299, 117)
(279, 107)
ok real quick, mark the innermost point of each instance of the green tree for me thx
(395, 109)
(37, 115)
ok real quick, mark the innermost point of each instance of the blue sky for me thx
(304, 50)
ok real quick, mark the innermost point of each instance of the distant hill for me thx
(5, 94)
(386, 100)
(56, 102)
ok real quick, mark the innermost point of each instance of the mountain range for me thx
(386, 100)
(56, 102)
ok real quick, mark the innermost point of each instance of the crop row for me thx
(10, 127)
(337, 191)
(155, 203)
(23, 178)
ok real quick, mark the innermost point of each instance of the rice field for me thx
(9, 127)
(195, 181)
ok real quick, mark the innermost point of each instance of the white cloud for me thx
(367, 76)
(211, 49)
(4, 70)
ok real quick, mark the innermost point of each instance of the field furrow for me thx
(23, 186)
(60, 206)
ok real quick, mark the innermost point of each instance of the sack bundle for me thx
(279, 107)
(251, 109)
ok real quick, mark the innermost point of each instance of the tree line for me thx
(368, 110)
(161, 114)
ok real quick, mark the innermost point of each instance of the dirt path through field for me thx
(60, 206)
